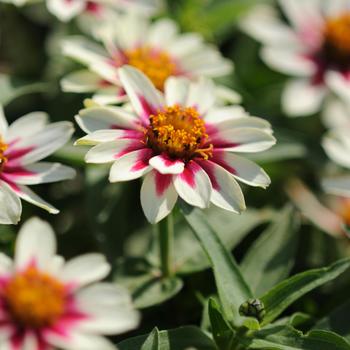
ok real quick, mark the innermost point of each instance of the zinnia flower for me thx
(183, 144)
(337, 146)
(314, 47)
(48, 303)
(22, 144)
(157, 49)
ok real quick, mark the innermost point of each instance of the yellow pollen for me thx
(179, 132)
(156, 64)
(3, 148)
(337, 37)
(34, 299)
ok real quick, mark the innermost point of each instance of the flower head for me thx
(156, 49)
(180, 141)
(22, 145)
(314, 48)
(47, 303)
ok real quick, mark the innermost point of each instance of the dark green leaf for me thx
(232, 288)
(175, 339)
(271, 257)
(288, 291)
(152, 341)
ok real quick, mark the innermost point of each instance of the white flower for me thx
(183, 144)
(314, 48)
(22, 145)
(336, 114)
(47, 303)
(157, 49)
(337, 146)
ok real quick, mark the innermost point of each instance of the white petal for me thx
(85, 269)
(110, 151)
(158, 196)
(222, 114)
(143, 95)
(6, 266)
(176, 91)
(165, 165)
(243, 169)
(300, 98)
(97, 118)
(36, 242)
(201, 95)
(27, 125)
(338, 186)
(28, 195)
(244, 140)
(108, 135)
(226, 95)
(10, 205)
(226, 192)
(81, 81)
(339, 84)
(109, 307)
(162, 32)
(288, 61)
(336, 114)
(80, 341)
(131, 166)
(39, 173)
(65, 10)
(185, 44)
(41, 144)
(336, 7)
(193, 185)
(263, 24)
(337, 146)
(111, 95)
(3, 122)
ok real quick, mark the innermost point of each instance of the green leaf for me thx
(271, 257)
(182, 338)
(337, 321)
(12, 88)
(152, 341)
(223, 334)
(232, 288)
(288, 291)
(145, 283)
(288, 338)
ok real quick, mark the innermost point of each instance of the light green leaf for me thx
(337, 321)
(288, 291)
(288, 338)
(271, 257)
(182, 338)
(152, 341)
(223, 334)
(12, 88)
(232, 288)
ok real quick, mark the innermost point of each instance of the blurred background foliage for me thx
(96, 215)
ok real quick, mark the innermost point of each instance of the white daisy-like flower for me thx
(314, 47)
(47, 303)
(22, 145)
(157, 49)
(183, 144)
(337, 146)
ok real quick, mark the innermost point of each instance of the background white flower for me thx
(182, 142)
(157, 49)
(47, 303)
(313, 47)
(22, 145)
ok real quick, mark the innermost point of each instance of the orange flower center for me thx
(34, 299)
(3, 148)
(345, 211)
(179, 132)
(156, 64)
(337, 38)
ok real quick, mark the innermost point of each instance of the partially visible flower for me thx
(22, 145)
(157, 49)
(337, 146)
(183, 144)
(336, 114)
(314, 47)
(47, 303)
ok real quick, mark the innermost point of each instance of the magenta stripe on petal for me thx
(14, 154)
(133, 146)
(147, 109)
(142, 160)
(219, 158)
(209, 168)
(189, 173)
(162, 182)
(13, 186)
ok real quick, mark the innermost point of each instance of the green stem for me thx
(166, 236)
